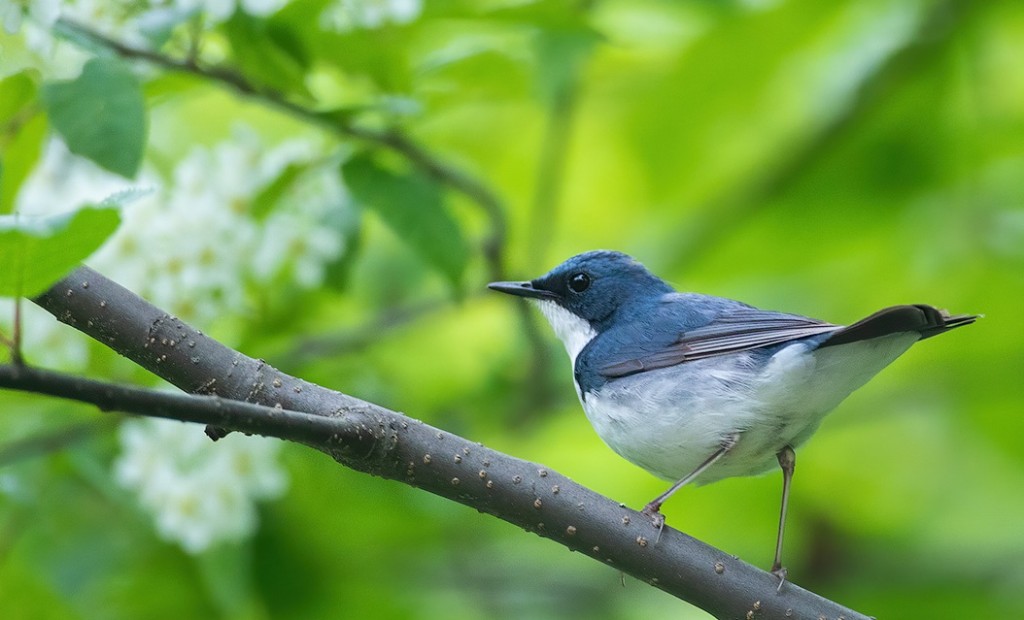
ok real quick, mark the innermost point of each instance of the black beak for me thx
(521, 289)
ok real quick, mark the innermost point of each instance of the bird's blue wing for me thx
(737, 328)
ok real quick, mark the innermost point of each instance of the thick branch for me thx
(376, 440)
(344, 435)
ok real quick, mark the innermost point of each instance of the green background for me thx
(822, 158)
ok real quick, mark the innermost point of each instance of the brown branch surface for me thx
(372, 439)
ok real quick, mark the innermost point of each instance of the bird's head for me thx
(591, 286)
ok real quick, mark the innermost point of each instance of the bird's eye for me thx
(579, 282)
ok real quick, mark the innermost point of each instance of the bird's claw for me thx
(657, 519)
(653, 512)
(780, 571)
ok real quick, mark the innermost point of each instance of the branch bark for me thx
(236, 392)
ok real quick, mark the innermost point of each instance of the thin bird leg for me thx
(653, 508)
(787, 461)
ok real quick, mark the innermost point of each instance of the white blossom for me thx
(346, 15)
(220, 10)
(130, 22)
(198, 492)
(43, 12)
(194, 247)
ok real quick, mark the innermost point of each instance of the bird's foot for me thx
(653, 512)
(780, 571)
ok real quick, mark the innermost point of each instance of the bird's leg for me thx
(653, 508)
(787, 461)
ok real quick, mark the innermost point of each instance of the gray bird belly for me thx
(670, 420)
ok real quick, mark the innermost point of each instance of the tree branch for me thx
(331, 434)
(372, 439)
(50, 441)
(310, 349)
(390, 138)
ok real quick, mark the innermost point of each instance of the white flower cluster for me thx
(194, 247)
(199, 493)
(139, 23)
(43, 12)
(130, 19)
(220, 10)
(346, 15)
(106, 13)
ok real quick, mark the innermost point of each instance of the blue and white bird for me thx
(695, 388)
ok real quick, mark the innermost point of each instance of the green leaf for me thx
(22, 131)
(268, 197)
(37, 251)
(16, 92)
(19, 158)
(412, 205)
(269, 54)
(101, 114)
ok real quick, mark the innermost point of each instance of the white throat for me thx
(573, 331)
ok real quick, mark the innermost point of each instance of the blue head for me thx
(592, 286)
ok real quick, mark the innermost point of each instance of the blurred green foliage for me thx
(827, 159)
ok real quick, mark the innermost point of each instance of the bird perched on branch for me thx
(695, 388)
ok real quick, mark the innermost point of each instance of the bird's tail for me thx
(926, 320)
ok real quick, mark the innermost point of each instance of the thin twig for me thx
(16, 334)
(550, 171)
(550, 175)
(355, 339)
(52, 441)
(390, 138)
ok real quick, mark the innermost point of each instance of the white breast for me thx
(573, 331)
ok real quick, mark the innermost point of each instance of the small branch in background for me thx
(7, 343)
(195, 37)
(550, 178)
(475, 190)
(311, 349)
(52, 441)
(391, 139)
(550, 171)
(542, 391)
(16, 334)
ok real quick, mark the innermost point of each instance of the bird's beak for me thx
(521, 289)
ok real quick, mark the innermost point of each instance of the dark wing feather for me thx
(738, 330)
(923, 319)
(746, 328)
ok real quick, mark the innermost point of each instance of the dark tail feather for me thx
(923, 319)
